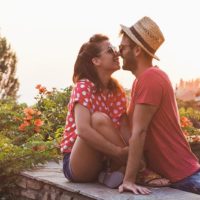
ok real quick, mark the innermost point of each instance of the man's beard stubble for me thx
(130, 64)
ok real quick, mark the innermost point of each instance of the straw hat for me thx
(146, 34)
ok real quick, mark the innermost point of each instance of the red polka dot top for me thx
(84, 92)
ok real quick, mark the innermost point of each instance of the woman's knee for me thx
(99, 119)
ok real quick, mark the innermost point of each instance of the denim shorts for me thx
(189, 184)
(66, 167)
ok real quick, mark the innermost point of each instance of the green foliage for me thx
(53, 106)
(190, 113)
(9, 112)
(31, 135)
(190, 124)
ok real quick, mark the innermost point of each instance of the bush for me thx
(190, 121)
(53, 106)
(31, 135)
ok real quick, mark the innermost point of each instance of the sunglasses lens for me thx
(111, 50)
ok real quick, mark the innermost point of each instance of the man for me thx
(153, 114)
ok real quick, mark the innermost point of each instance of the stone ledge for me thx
(47, 182)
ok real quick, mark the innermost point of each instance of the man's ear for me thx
(137, 50)
(96, 61)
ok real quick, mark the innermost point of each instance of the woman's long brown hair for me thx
(84, 68)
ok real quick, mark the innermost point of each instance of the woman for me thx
(96, 114)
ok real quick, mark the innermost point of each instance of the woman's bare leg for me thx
(86, 162)
(102, 123)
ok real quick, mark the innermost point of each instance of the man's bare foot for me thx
(158, 182)
(149, 178)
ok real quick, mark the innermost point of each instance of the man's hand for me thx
(136, 189)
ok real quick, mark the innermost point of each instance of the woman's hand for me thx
(121, 156)
(119, 159)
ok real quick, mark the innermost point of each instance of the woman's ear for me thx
(96, 61)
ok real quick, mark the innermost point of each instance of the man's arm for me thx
(142, 117)
(125, 130)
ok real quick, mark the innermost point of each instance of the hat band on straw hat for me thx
(142, 40)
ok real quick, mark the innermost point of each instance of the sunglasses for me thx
(111, 50)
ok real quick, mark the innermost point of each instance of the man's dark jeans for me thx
(189, 184)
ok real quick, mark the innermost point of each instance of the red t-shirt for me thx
(166, 149)
(84, 92)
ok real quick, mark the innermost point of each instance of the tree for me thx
(9, 84)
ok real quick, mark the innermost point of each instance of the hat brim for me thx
(132, 37)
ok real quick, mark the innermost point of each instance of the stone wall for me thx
(47, 182)
(27, 189)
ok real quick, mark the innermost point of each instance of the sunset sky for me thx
(47, 34)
